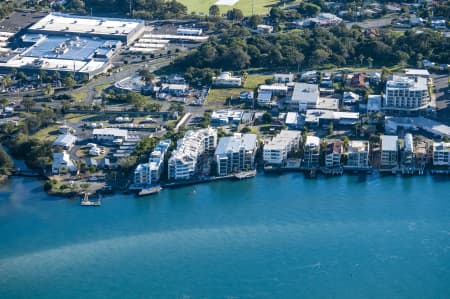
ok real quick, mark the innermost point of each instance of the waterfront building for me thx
(225, 79)
(333, 154)
(404, 94)
(389, 151)
(150, 172)
(277, 150)
(311, 152)
(184, 160)
(408, 156)
(62, 163)
(441, 154)
(358, 154)
(236, 153)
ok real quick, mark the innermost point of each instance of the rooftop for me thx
(304, 93)
(389, 143)
(235, 143)
(356, 146)
(86, 24)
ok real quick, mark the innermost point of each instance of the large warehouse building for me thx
(80, 45)
(125, 30)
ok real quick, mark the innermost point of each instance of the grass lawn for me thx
(218, 96)
(202, 6)
(101, 87)
(79, 96)
(47, 133)
(253, 81)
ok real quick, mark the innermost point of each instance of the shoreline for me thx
(319, 173)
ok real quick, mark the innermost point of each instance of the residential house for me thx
(226, 79)
(62, 163)
(283, 78)
(333, 154)
(358, 154)
(66, 141)
(441, 154)
(350, 98)
(358, 81)
(311, 152)
(389, 151)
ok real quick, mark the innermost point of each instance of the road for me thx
(125, 71)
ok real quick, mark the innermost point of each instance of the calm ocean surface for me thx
(267, 237)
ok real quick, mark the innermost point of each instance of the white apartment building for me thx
(406, 94)
(334, 154)
(389, 151)
(183, 161)
(441, 153)
(277, 150)
(62, 163)
(236, 153)
(150, 173)
(311, 152)
(358, 154)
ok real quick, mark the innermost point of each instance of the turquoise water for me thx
(267, 237)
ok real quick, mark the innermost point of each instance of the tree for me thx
(49, 90)
(214, 11)
(6, 163)
(235, 14)
(267, 118)
(370, 62)
(28, 103)
(69, 81)
(146, 75)
(254, 21)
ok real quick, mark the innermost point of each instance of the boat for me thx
(150, 191)
(245, 174)
(86, 202)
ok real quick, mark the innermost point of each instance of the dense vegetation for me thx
(236, 48)
(146, 9)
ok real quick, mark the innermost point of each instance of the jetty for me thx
(87, 202)
(150, 191)
(245, 174)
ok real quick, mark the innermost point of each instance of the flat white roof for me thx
(312, 140)
(235, 143)
(389, 143)
(55, 64)
(85, 24)
(304, 92)
(110, 131)
(417, 72)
